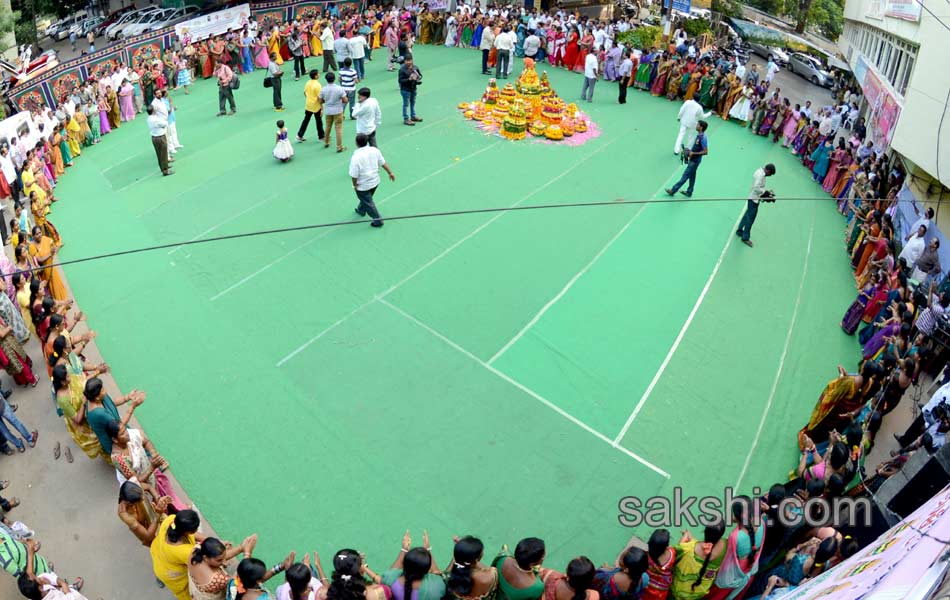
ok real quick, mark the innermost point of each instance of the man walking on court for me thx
(368, 116)
(326, 40)
(688, 118)
(409, 79)
(626, 77)
(591, 73)
(696, 153)
(295, 45)
(334, 102)
(224, 75)
(364, 170)
(158, 127)
(313, 107)
(752, 207)
(275, 73)
(504, 45)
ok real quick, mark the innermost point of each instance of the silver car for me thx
(810, 68)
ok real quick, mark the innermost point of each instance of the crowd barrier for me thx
(46, 89)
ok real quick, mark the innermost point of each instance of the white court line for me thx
(529, 391)
(682, 333)
(781, 362)
(565, 289)
(330, 230)
(433, 260)
(268, 199)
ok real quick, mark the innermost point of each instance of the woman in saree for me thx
(14, 359)
(821, 160)
(723, 87)
(841, 395)
(135, 457)
(207, 577)
(11, 315)
(126, 101)
(113, 102)
(59, 153)
(425, 27)
(68, 372)
(467, 31)
(141, 509)
(104, 127)
(790, 126)
(521, 577)
(584, 46)
(31, 183)
(736, 89)
(574, 584)
(852, 316)
(85, 133)
(22, 299)
(572, 51)
(74, 137)
(204, 60)
(414, 574)
(628, 580)
(662, 76)
(44, 252)
(451, 30)
(59, 137)
(40, 210)
(642, 79)
(875, 250)
(779, 122)
(698, 563)
(693, 84)
(884, 332)
(351, 578)
(477, 34)
(520, 35)
(171, 551)
(673, 82)
(467, 578)
(743, 550)
(845, 181)
(707, 89)
(216, 47)
(835, 157)
(772, 106)
(92, 119)
(261, 56)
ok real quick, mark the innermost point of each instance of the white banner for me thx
(212, 24)
(21, 126)
(908, 10)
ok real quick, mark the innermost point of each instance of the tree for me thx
(804, 7)
(828, 15)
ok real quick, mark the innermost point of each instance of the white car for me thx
(114, 30)
(154, 21)
(809, 67)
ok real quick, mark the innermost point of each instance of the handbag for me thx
(268, 82)
(235, 82)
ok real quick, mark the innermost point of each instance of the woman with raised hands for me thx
(414, 575)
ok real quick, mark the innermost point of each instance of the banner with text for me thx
(908, 10)
(215, 23)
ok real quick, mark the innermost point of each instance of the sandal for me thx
(21, 449)
(69, 455)
(56, 450)
(36, 434)
(77, 584)
(14, 502)
(4, 484)
(8, 451)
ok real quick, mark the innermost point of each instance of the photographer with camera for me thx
(758, 194)
(409, 79)
(692, 158)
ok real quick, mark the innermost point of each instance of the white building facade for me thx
(899, 51)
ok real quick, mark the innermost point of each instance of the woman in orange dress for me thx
(44, 251)
(585, 46)
(571, 51)
(863, 251)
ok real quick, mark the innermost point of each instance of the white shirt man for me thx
(806, 110)
(914, 246)
(368, 117)
(591, 72)
(326, 38)
(357, 47)
(771, 69)
(532, 44)
(740, 71)
(689, 115)
(599, 36)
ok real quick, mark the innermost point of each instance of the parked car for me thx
(60, 31)
(112, 18)
(115, 30)
(148, 23)
(780, 56)
(809, 67)
(84, 27)
(178, 15)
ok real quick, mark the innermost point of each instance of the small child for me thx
(283, 151)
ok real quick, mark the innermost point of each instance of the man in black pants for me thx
(626, 77)
(313, 106)
(295, 45)
(274, 73)
(695, 156)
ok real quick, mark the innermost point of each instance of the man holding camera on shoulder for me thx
(758, 194)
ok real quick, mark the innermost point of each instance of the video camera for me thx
(767, 196)
(684, 154)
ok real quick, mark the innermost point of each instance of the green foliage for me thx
(696, 27)
(728, 8)
(641, 37)
(773, 7)
(828, 16)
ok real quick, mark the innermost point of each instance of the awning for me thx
(836, 63)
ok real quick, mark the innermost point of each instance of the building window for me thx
(894, 57)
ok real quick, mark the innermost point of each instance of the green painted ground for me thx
(332, 388)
